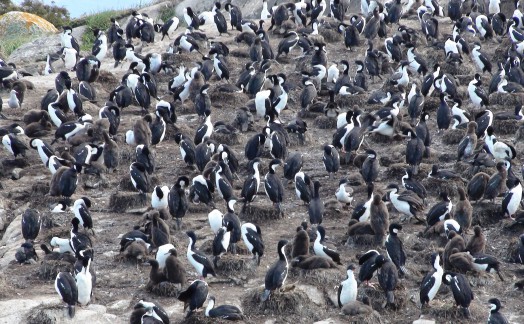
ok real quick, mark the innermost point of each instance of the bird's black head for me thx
(394, 228)
(182, 181)
(351, 267)
(322, 232)
(87, 202)
(392, 187)
(281, 244)
(191, 235)
(435, 259)
(494, 304)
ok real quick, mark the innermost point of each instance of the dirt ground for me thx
(120, 284)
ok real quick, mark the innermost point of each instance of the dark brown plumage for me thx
(300, 243)
(141, 130)
(135, 250)
(159, 230)
(477, 186)
(310, 262)
(462, 261)
(39, 128)
(155, 275)
(359, 228)
(455, 242)
(463, 211)
(379, 218)
(476, 243)
(354, 308)
(174, 269)
(496, 183)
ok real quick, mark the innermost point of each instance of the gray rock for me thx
(35, 51)
(17, 173)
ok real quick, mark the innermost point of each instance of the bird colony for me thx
(309, 162)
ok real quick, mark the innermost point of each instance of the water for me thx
(78, 8)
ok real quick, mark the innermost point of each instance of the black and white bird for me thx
(331, 160)
(440, 210)
(343, 195)
(461, 290)
(512, 198)
(14, 145)
(252, 237)
(368, 266)
(194, 296)
(395, 248)
(303, 187)
(197, 259)
(322, 250)
(65, 286)
(431, 283)
(347, 291)
(139, 177)
(251, 184)
(200, 191)
(159, 197)
(407, 204)
(31, 223)
(227, 312)
(277, 274)
(362, 210)
(84, 282)
(177, 200)
(273, 185)
(81, 211)
(495, 317)
(477, 95)
(205, 130)
(480, 59)
(316, 206)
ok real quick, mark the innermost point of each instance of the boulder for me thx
(35, 51)
(17, 22)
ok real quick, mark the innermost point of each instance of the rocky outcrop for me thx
(35, 51)
(17, 22)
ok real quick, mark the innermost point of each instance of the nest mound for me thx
(228, 139)
(201, 318)
(42, 315)
(451, 314)
(49, 269)
(436, 186)
(123, 201)
(506, 127)
(254, 213)
(396, 170)
(453, 136)
(198, 208)
(233, 264)
(361, 240)
(164, 289)
(323, 278)
(505, 99)
(290, 302)
(486, 213)
(330, 35)
(323, 122)
(347, 102)
(377, 298)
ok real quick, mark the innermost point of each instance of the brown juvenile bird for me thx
(468, 143)
(40, 128)
(477, 243)
(300, 243)
(354, 308)
(463, 211)
(359, 228)
(310, 262)
(155, 275)
(496, 183)
(174, 269)
(136, 249)
(477, 186)
(455, 242)
(159, 230)
(462, 261)
(379, 218)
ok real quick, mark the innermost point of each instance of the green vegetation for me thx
(58, 16)
(9, 44)
(102, 21)
(166, 12)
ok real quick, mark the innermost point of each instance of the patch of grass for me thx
(10, 43)
(167, 12)
(100, 20)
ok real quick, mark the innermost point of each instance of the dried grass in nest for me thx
(164, 289)
(119, 201)
(506, 127)
(396, 170)
(435, 186)
(431, 104)
(15, 163)
(348, 102)
(361, 240)
(322, 278)
(466, 78)
(486, 213)
(512, 252)
(380, 139)
(222, 99)
(377, 298)
(39, 315)
(330, 35)
(228, 139)
(501, 51)
(198, 208)
(323, 122)
(505, 99)
(234, 264)
(50, 268)
(290, 302)
(178, 128)
(373, 318)
(39, 188)
(453, 136)
(255, 213)
(449, 313)
(201, 318)
(107, 79)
